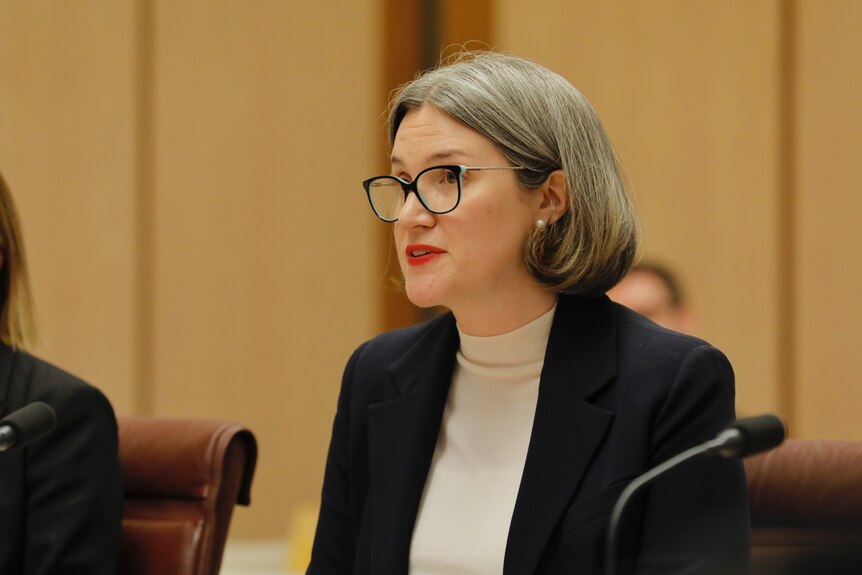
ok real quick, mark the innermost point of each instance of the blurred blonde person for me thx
(60, 497)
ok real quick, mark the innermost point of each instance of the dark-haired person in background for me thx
(653, 291)
(497, 437)
(61, 497)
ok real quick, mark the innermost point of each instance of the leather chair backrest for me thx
(182, 479)
(806, 507)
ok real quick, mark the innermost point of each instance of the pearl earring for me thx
(542, 223)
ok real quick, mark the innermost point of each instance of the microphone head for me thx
(30, 423)
(760, 433)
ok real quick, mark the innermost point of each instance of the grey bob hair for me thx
(543, 123)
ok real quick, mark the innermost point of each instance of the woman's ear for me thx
(555, 196)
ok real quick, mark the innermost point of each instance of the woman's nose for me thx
(413, 213)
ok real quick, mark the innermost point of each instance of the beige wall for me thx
(828, 185)
(188, 174)
(264, 127)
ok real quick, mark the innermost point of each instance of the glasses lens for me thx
(387, 198)
(439, 189)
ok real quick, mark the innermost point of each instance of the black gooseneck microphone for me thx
(22, 427)
(740, 438)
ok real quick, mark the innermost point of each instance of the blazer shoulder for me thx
(667, 356)
(70, 395)
(635, 329)
(45, 376)
(387, 347)
(671, 368)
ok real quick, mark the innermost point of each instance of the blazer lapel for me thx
(402, 438)
(567, 430)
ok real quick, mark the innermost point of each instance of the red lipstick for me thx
(419, 254)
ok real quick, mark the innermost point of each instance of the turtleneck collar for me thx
(519, 347)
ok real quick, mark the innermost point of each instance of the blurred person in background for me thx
(653, 291)
(497, 437)
(60, 497)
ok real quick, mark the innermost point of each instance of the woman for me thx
(61, 497)
(497, 437)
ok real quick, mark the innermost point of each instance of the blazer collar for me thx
(581, 356)
(402, 436)
(428, 360)
(567, 429)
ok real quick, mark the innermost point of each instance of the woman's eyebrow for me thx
(435, 157)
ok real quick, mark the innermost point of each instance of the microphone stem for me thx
(634, 486)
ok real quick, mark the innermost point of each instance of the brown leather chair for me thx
(182, 479)
(806, 508)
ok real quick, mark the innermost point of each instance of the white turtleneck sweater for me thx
(466, 508)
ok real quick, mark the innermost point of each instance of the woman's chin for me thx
(422, 296)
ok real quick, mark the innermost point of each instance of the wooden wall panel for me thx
(689, 92)
(829, 237)
(428, 31)
(403, 55)
(466, 24)
(266, 120)
(67, 149)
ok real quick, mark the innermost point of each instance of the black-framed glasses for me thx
(438, 189)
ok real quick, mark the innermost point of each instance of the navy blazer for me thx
(617, 395)
(61, 498)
